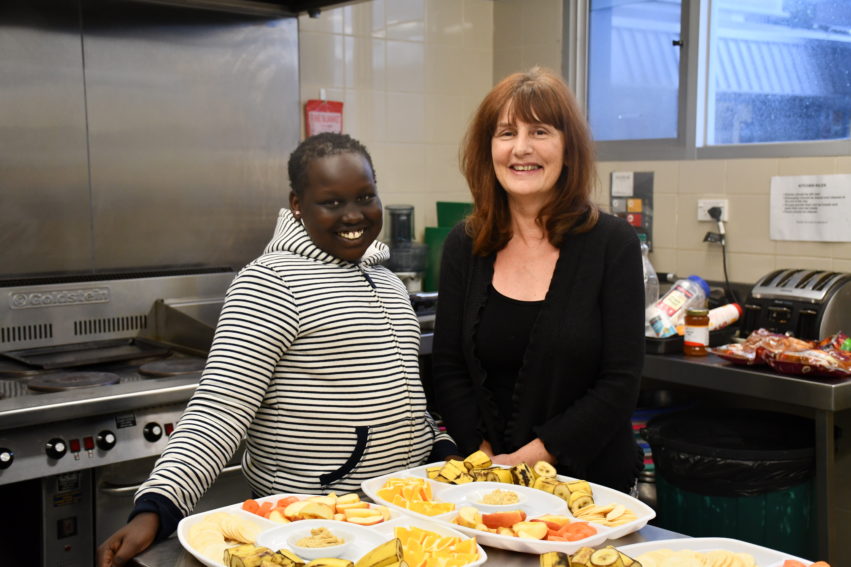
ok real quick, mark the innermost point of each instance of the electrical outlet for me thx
(703, 205)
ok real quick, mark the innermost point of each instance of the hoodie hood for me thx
(290, 236)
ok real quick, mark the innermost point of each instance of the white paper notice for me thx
(622, 183)
(811, 207)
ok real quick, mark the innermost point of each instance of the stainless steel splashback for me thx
(141, 136)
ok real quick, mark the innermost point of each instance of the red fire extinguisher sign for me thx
(323, 116)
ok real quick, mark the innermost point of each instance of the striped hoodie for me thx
(315, 363)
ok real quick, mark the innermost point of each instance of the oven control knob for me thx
(56, 448)
(152, 431)
(105, 440)
(6, 457)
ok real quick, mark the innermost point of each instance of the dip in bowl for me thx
(319, 541)
(497, 500)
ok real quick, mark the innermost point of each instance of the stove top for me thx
(18, 379)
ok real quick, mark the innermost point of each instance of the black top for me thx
(501, 341)
(578, 385)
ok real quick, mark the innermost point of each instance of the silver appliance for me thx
(93, 378)
(809, 304)
(144, 145)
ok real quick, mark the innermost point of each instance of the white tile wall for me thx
(411, 72)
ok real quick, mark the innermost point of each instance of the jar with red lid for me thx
(696, 336)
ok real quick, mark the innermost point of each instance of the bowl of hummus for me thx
(497, 500)
(319, 541)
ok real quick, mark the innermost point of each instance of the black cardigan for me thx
(579, 383)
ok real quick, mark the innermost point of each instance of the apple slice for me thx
(277, 515)
(468, 516)
(329, 501)
(530, 530)
(363, 516)
(553, 521)
(293, 511)
(348, 498)
(506, 519)
(315, 510)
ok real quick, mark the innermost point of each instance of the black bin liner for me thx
(732, 452)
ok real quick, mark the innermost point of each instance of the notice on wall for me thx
(811, 208)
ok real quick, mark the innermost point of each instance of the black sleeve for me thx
(169, 515)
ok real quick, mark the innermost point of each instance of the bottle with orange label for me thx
(696, 337)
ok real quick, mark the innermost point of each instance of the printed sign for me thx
(811, 208)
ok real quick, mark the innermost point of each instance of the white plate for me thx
(382, 531)
(602, 496)
(764, 556)
(188, 521)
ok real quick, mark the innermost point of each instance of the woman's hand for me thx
(529, 453)
(486, 448)
(129, 541)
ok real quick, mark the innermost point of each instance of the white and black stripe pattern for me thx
(315, 362)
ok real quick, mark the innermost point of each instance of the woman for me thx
(314, 361)
(539, 335)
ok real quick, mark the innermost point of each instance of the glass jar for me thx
(696, 336)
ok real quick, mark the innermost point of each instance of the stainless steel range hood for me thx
(260, 7)
(139, 136)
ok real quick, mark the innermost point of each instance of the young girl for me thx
(314, 360)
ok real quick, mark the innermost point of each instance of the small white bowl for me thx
(310, 553)
(475, 498)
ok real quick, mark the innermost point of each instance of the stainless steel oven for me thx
(94, 375)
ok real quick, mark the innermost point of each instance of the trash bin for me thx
(743, 474)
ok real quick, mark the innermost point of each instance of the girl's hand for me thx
(129, 541)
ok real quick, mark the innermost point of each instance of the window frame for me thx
(692, 115)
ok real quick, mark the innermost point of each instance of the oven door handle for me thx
(118, 490)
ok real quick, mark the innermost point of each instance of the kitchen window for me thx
(668, 79)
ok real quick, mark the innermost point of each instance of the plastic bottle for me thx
(723, 316)
(669, 311)
(651, 281)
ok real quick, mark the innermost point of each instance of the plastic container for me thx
(669, 311)
(651, 280)
(400, 224)
(736, 473)
(724, 316)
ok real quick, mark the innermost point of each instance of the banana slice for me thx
(544, 469)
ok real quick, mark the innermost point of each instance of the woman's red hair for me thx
(537, 96)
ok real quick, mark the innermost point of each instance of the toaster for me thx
(807, 304)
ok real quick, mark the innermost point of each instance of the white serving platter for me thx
(275, 533)
(763, 556)
(458, 493)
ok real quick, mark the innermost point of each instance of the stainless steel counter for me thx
(170, 553)
(827, 402)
